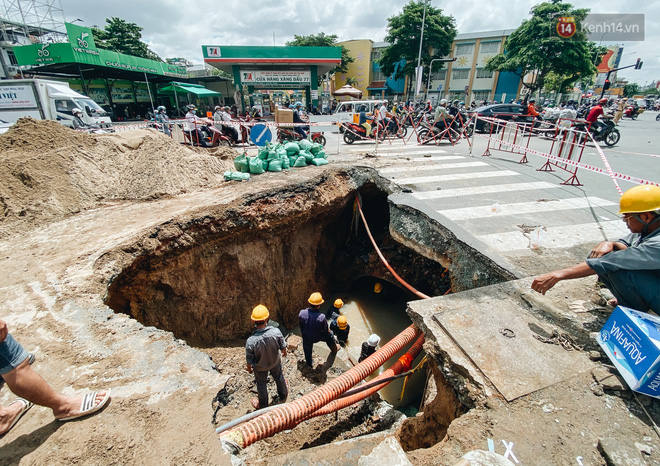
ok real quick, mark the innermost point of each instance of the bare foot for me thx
(71, 407)
(9, 415)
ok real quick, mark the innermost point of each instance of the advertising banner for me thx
(18, 96)
(275, 77)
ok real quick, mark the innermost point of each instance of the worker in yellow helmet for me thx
(314, 327)
(629, 267)
(340, 329)
(262, 352)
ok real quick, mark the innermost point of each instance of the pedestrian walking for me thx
(262, 352)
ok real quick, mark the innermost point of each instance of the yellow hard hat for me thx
(642, 198)
(315, 299)
(339, 303)
(260, 313)
(378, 287)
(341, 322)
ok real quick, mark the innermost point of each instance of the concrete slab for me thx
(491, 329)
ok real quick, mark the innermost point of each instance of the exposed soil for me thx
(48, 171)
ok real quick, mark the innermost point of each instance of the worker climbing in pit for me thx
(339, 325)
(369, 347)
(262, 352)
(314, 327)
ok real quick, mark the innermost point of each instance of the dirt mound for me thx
(49, 171)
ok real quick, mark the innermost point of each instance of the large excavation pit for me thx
(198, 277)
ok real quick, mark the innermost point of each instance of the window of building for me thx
(375, 55)
(490, 47)
(440, 75)
(482, 73)
(12, 58)
(378, 75)
(460, 74)
(464, 49)
(481, 95)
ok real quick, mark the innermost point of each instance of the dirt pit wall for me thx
(200, 277)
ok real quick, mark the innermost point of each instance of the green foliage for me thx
(352, 81)
(403, 35)
(536, 47)
(631, 89)
(121, 36)
(322, 40)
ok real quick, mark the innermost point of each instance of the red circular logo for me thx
(566, 27)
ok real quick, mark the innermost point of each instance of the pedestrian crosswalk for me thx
(498, 206)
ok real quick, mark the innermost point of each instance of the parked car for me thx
(508, 112)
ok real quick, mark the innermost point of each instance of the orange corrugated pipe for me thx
(403, 364)
(290, 414)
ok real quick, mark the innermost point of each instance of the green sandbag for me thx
(263, 153)
(321, 155)
(308, 155)
(241, 163)
(318, 162)
(236, 176)
(291, 148)
(256, 165)
(292, 160)
(286, 163)
(281, 153)
(316, 148)
(305, 144)
(300, 162)
(275, 165)
(272, 155)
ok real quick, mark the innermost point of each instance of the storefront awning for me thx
(199, 91)
(377, 86)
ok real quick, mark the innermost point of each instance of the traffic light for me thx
(638, 65)
(607, 84)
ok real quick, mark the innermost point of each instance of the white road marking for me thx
(561, 237)
(475, 190)
(435, 166)
(439, 158)
(518, 208)
(456, 176)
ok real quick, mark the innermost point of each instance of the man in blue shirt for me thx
(629, 267)
(314, 327)
(262, 352)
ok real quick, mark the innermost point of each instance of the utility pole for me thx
(638, 66)
(418, 74)
(428, 81)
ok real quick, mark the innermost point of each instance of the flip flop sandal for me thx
(87, 406)
(26, 406)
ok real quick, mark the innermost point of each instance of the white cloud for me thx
(179, 28)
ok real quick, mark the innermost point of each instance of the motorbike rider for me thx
(194, 125)
(364, 120)
(78, 121)
(162, 118)
(531, 109)
(453, 108)
(298, 119)
(382, 114)
(222, 115)
(441, 117)
(594, 113)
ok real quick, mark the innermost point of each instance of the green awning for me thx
(196, 89)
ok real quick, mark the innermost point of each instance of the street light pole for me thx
(419, 56)
(428, 81)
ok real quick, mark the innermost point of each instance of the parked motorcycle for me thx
(284, 135)
(458, 128)
(354, 132)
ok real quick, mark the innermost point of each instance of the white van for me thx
(349, 110)
(43, 99)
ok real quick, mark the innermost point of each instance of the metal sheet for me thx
(518, 364)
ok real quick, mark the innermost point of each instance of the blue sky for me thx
(178, 28)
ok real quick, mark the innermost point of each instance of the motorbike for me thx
(458, 128)
(354, 132)
(608, 134)
(285, 135)
(632, 112)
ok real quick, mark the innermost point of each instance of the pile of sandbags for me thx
(278, 157)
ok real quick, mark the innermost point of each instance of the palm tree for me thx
(352, 81)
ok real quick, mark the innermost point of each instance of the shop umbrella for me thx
(349, 91)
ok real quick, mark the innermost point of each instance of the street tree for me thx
(403, 35)
(352, 81)
(323, 40)
(631, 89)
(123, 37)
(536, 49)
